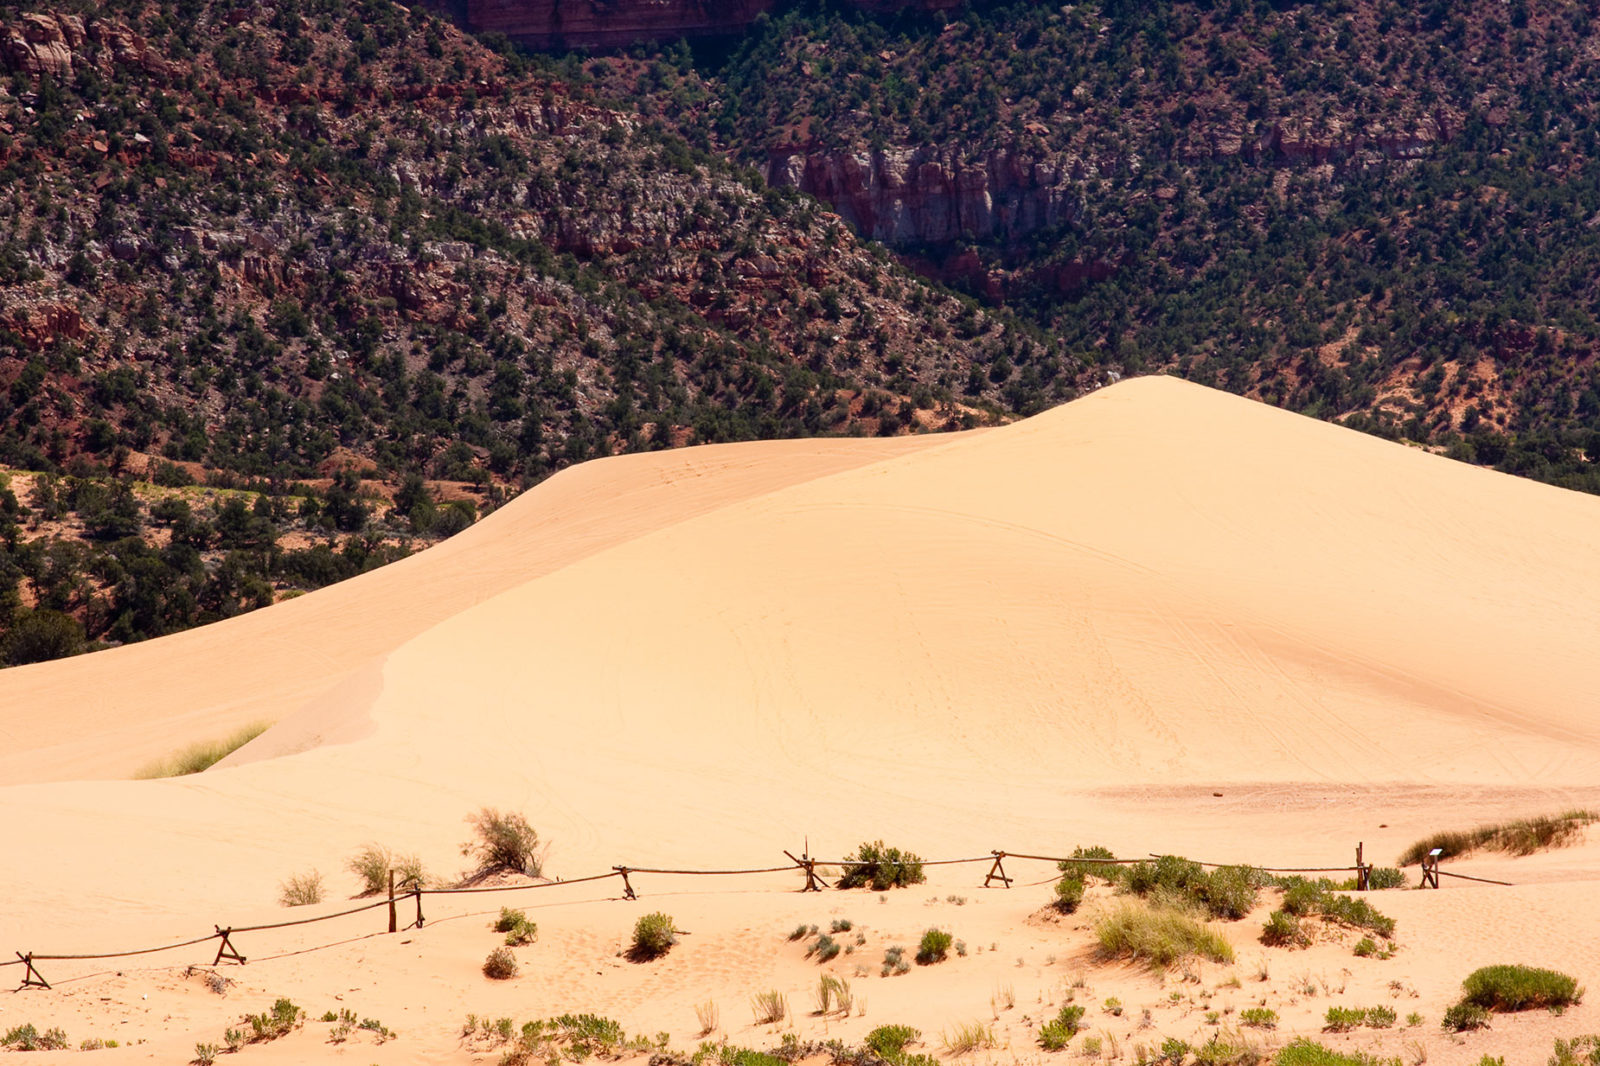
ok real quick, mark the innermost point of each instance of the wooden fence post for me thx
(416, 890)
(997, 872)
(1430, 869)
(627, 886)
(31, 976)
(226, 950)
(393, 920)
(814, 883)
(1362, 870)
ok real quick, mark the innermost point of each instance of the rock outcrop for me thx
(618, 23)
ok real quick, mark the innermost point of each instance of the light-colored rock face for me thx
(54, 45)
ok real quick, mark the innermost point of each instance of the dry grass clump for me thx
(1158, 935)
(1524, 836)
(301, 890)
(769, 1007)
(505, 841)
(965, 1039)
(202, 755)
(372, 865)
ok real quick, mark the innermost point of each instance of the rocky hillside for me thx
(274, 242)
(1360, 209)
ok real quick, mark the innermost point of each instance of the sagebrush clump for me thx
(515, 925)
(1514, 988)
(653, 936)
(501, 964)
(934, 947)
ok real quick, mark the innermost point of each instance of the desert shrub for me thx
(1055, 1033)
(1283, 930)
(1579, 1051)
(934, 947)
(1513, 988)
(301, 890)
(204, 1054)
(1523, 836)
(894, 961)
(1343, 1019)
(882, 868)
(1230, 891)
(1304, 1051)
(505, 841)
(1366, 946)
(1303, 898)
(1464, 1015)
(1259, 1017)
(516, 927)
(1158, 935)
(372, 864)
(653, 936)
(1380, 878)
(1075, 867)
(841, 925)
(825, 949)
(888, 1042)
(501, 964)
(802, 931)
(1168, 871)
(270, 1025)
(1228, 1049)
(1069, 893)
(1380, 1017)
(769, 1007)
(202, 755)
(26, 1038)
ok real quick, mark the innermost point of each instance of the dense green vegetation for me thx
(1358, 209)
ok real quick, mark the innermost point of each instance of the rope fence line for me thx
(803, 863)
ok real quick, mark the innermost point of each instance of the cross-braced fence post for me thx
(814, 882)
(627, 886)
(1430, 869)
(997, 872)
(31, 977)
(226, 950)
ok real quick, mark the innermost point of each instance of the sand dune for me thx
(1075, 628)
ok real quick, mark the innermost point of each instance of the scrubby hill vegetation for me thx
(345, 258)
(1363, 210)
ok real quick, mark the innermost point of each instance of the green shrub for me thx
(1380, 1017)
(894, 961)
(1524, 836)
(1579, 1051)
(1380, 878)
(501, 964)
(1069, 893)
(1228, 1049)
(1231, 891)
(653, 936)
(1079, 869)
(516, 927)
(270, 1025)
(1513, 988)
(1464, 1016)
(1343, 1019)
(1283, 930)
(934, 947)
(301, 890)
(888, 1042)
(1306, 1052)
(1366, 946)
(882, 868)
(1158, 935)
(1054, 1034)
(1303, 898)
(505, 841)
(802, 931)
(1259, 1017)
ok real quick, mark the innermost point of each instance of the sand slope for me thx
(706, 655)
